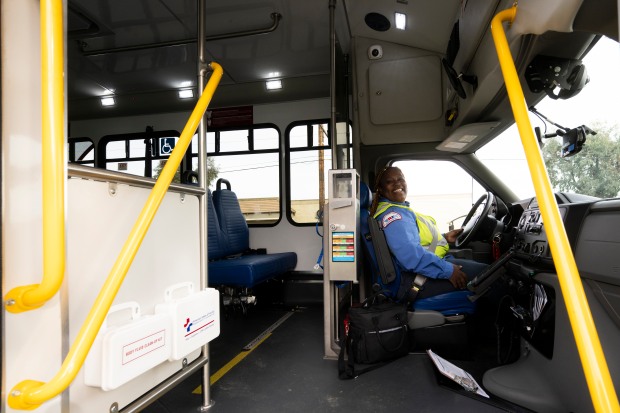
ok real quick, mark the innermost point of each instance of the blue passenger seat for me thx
(231, 262)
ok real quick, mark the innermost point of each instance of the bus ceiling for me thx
(145, 54)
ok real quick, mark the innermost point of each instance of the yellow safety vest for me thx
(427, 227)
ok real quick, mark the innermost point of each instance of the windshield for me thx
(595, 169)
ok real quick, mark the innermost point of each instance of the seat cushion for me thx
(455, 302)
(250, 270)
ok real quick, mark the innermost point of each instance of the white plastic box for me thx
(195, 317)
(122, 352)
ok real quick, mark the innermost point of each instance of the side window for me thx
(309, 158)
(82, 151)
(249, 159)
(441, 189)
(142, 154)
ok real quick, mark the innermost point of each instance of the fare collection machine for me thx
(341, 229)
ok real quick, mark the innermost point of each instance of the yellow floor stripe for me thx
(232, 363)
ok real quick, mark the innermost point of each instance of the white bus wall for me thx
(99, 223)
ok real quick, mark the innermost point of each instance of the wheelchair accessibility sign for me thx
(166, 145)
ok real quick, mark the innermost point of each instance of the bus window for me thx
(249, 159)
(446, 199)
(505, 157)
(309, 159)
(593, 107)
(142, 154)
(82, 151)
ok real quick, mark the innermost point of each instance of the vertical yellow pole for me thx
(33, 296)
(593, 361)
(30, 394)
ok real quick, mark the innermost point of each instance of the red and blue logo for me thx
(188, 325)
(390, 217)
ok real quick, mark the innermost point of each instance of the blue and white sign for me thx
(166, 145)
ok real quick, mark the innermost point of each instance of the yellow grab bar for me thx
(593, 361)
(30, 394)
(29, 297)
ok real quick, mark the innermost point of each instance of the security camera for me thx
(375, 52)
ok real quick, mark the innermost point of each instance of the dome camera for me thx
(375, 52)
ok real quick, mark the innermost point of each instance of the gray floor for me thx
(287, 373)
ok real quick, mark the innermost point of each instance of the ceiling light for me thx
(186, 93)
(108, 101)
(401, 20)
(273, 84)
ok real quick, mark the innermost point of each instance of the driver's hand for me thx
(451, 236)
(458, 277)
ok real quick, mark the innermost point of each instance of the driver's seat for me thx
(430, 311)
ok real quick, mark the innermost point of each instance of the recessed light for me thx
(108, 101)
(273, 84)
(400, 20)
(186, 93)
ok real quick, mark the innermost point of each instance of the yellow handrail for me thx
(29, 297)
(601, 387)
(30, 394)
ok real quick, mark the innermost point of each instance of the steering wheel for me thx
(473, 222)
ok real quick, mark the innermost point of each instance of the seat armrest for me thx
(425, 318)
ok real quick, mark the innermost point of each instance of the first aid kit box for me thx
(195, 317)
(128, 349)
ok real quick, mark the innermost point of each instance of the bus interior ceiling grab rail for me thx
(29, 394)
(30, 297)
(593, 361)
(276, 17)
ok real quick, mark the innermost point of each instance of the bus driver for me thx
(411, 237)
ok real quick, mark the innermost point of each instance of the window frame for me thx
(71, 153)
(287, 161)
(101, 159)
(250, 151)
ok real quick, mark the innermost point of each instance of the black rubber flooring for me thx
(288, 373)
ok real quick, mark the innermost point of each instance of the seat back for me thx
(216, 239)
(377, 253)
(232, 222)
(369, 253)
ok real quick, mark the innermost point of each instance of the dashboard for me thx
(533, 303)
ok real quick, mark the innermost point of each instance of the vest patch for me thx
(389, 218)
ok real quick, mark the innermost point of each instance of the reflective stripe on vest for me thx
(430, 237)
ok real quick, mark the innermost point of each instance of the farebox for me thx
(195, 317)
(128, 349)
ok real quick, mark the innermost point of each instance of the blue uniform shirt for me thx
(403, 238)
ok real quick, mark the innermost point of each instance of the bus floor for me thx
(285, 371)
